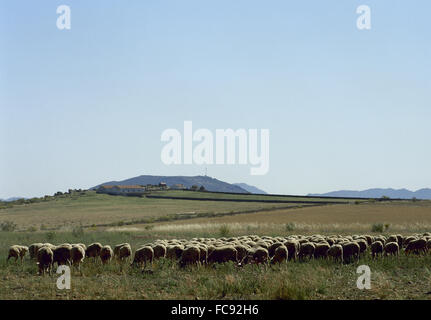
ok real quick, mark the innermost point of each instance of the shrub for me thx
(377, 227)
(32, 229)
(149, 227)
(8, 226)
(224, 230)
(290, 226)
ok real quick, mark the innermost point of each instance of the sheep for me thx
(293, 247)
(321, 250)
(259, 255)
(159, 251)
(174, 252)
(106, 254)
(416, 246)
(143, 255)
(242, 251)
(306, 250)
(336, 252)
(376, 248)
(203, 254)
(16, 252)
(93, 250)
(280, 255)
(45, 258)
(363, 245)
(77, 255)
(223, 254)
(33, 248)
(350, 250)
(392, 248)
(273, 247)
(190, 255)
(122, 251)
(62, 254)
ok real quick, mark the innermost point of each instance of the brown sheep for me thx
(273, 247)
(174, 252)
(159, 251)
(106, 254)
(122, 251)
(416, 246)
(376, 248)
(392, 248)
(77, 255)
(242, 252)
(33, 248)
(280, 255)
(62, 254)
(223, 254)
(321, 250)
(306, 250)
(293, 247)
(93, 250)
(45, 258)
(190, 255)
(143, 255)
(16, 252)
(350, 250)
(336, 252)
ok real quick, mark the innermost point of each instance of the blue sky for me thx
(346, 109)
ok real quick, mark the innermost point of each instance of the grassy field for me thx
(92, 209)
(392, 278)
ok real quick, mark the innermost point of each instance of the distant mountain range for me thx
(378, 193)
(210, 184)
(249, 188)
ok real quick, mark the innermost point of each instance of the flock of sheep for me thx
(240, 250)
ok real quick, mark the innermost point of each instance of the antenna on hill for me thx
(206, 171)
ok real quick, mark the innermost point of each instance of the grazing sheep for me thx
(392, 248)
(122, 251)
(321, 250)
(77, 255)
(273, 247)
(143, 255)
(350, 250)
(45, 258)
(336, 252)
(416, 246)
(93, 250)
(190, 255)
(16, 252)
(363, 245)
(33, 248)
(306, 250)
(293, 247)
(223, 254)
(376, 248)
(259, 255)
(159, 251)
(62, 254)
(106, 254)
(203, 254)
(242, 252)
(280, 255)
(174, 252)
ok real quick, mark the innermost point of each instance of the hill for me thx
(249, 188)
(210, 184)
(378, 193)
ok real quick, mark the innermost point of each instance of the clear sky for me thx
(346, 109)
